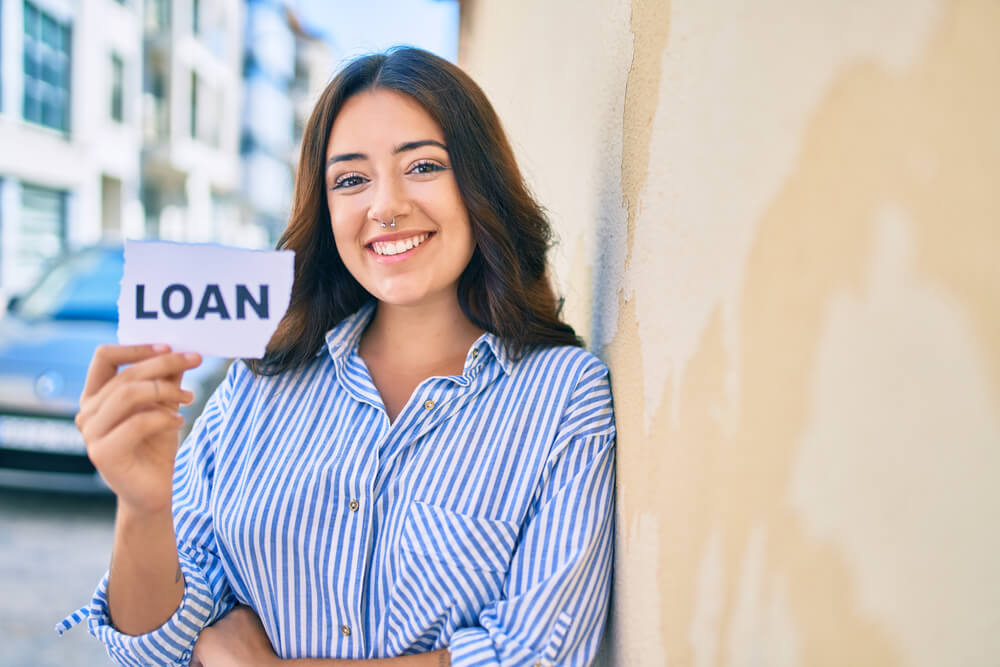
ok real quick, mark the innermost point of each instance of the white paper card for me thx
(203, 298)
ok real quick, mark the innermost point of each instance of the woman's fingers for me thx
(128, 417)
(162, 367)
(127, 436)
(124, 399)
(107, 358)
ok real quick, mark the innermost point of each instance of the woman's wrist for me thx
(137, 519)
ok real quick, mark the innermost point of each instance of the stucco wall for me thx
(780, 226)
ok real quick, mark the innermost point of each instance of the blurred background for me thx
(171, 119)
(144, 119)
(778, 224)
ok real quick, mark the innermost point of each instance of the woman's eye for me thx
(426, 168)
(348, 181)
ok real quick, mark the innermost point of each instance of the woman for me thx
(423, 462)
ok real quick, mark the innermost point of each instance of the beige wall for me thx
(780, 226)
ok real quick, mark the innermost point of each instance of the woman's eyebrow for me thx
(345, 157)
(408, 146)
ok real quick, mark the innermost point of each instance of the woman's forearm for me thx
(434, 659)
(145, 586)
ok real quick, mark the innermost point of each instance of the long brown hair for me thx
(505, 288)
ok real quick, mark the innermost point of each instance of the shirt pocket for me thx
(450, 566)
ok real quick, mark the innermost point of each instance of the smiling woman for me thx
(453, 142)
(421, 468)
(409, 183)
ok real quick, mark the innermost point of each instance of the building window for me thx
(1, 73)
(157, 15)
(42, 233)
(156, 118)
(3, 184)
(205, 112)
(46, 69)
(111, 206)
(117, 88)
(194, 105)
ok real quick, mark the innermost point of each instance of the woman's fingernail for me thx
(160, 347)
(192, 356)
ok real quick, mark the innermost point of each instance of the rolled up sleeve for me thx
(207, 594)
(557, 587)
(172, 642)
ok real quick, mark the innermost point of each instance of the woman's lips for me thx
(399, 257)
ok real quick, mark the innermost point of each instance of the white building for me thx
(70, 129)
(283, 65)
(268, 119)
(168, 119)
(192, 96)
(316, 59)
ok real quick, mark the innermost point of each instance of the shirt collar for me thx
(342, 340)
(491, 343)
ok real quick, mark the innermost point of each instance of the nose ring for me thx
(391, 224)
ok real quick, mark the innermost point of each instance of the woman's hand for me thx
(238, 639)
(130, 424)
(235, 640)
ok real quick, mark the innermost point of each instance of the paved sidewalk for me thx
(53, 550)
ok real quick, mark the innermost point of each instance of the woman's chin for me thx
(404, 296)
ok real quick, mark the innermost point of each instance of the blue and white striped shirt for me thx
(480, 520)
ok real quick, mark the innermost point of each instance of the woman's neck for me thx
(430, 334)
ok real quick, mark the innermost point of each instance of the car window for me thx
(83, 286)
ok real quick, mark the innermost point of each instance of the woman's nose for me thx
(389, 200)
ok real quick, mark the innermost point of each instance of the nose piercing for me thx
(391, 224)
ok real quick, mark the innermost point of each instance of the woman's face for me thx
(386, 160)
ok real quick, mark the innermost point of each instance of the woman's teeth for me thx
(397, 247)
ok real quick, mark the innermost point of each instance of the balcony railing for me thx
(157, 15)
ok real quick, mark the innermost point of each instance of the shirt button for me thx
(428, 405)
(346, 631)
(355, 505)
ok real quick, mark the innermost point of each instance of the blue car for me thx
(47, 339)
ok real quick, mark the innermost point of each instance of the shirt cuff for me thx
(169, 644)
(472, 646)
